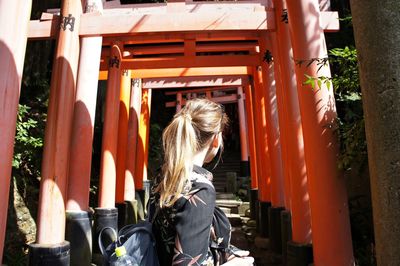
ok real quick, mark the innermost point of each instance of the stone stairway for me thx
(230, 162)
(244, 232)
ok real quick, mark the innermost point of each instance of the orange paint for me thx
(124, 100)
(331, 234)
(272, 126)
(110, 131)
(184, 72)
(299, 196)
(142, 148)
(53, 185)
(83, 125)
(133, 125)
(263, 160)
(250, 131)
(14, 18)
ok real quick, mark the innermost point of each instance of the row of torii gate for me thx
(263, 47)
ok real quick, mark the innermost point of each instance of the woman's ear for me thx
(217, 140)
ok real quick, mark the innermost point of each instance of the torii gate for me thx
(307, 185)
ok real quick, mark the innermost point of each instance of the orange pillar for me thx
(14, 21)
(263, 160)
(133, 125)
(253, 197)
(51, 213)
(142, 148)
(77, 208)
(110, 130)
(243, 136)
(124, 102)
(83, 121)
(250, 132)
(178, 101)
(299, 198)
(272, 125)
(124, 98)
(331, 236)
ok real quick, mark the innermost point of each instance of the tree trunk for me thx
(377, 36)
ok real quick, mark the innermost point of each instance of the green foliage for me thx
(26, 145)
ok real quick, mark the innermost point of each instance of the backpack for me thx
(138, 240)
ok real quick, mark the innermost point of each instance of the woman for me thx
(189, 228)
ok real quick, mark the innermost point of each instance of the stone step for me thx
(234, 219)
(225, 196)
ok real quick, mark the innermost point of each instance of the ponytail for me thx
(190, 131)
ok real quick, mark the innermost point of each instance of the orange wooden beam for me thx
(188, 61)
(124, 101)
(142, 145)
(130, 22)
(184, 72)
(133, 125)
(260, 125)
(110, 132)
(14, 21)
(189, 82)
(53, 184)
(251, 136)
(330, 222)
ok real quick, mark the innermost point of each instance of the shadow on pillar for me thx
(254, 204)
(103, 217)
(78, 231)
(127, 213)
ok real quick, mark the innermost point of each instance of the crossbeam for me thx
(184, 72)
(220, 99)
(192, 82)
(188, 61)
(210, 16)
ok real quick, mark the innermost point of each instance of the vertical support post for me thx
(124, 100)
(133, 125)
(14, 21)
(328, 197)
(178, 101)
(53, 185)
(106, 214)
(78, 218)
(263, 161)
(253, 156)
(272, 125)
(300, 204)
(142, 148)
(244, 169)
(110, 130)
(299, 196)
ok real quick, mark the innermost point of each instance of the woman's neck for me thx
(198, 158)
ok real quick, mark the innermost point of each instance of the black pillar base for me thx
(263, 227)
(78, 232)
(253, 203)
(286, 232)
(131, 212)
(274, 214)
(103, 217)
(140, 197)
(49, 255)
(299, 254)
(122, 213)
(244, 168)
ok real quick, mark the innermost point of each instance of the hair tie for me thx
(187, 116)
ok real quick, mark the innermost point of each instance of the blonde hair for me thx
(191, 130)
